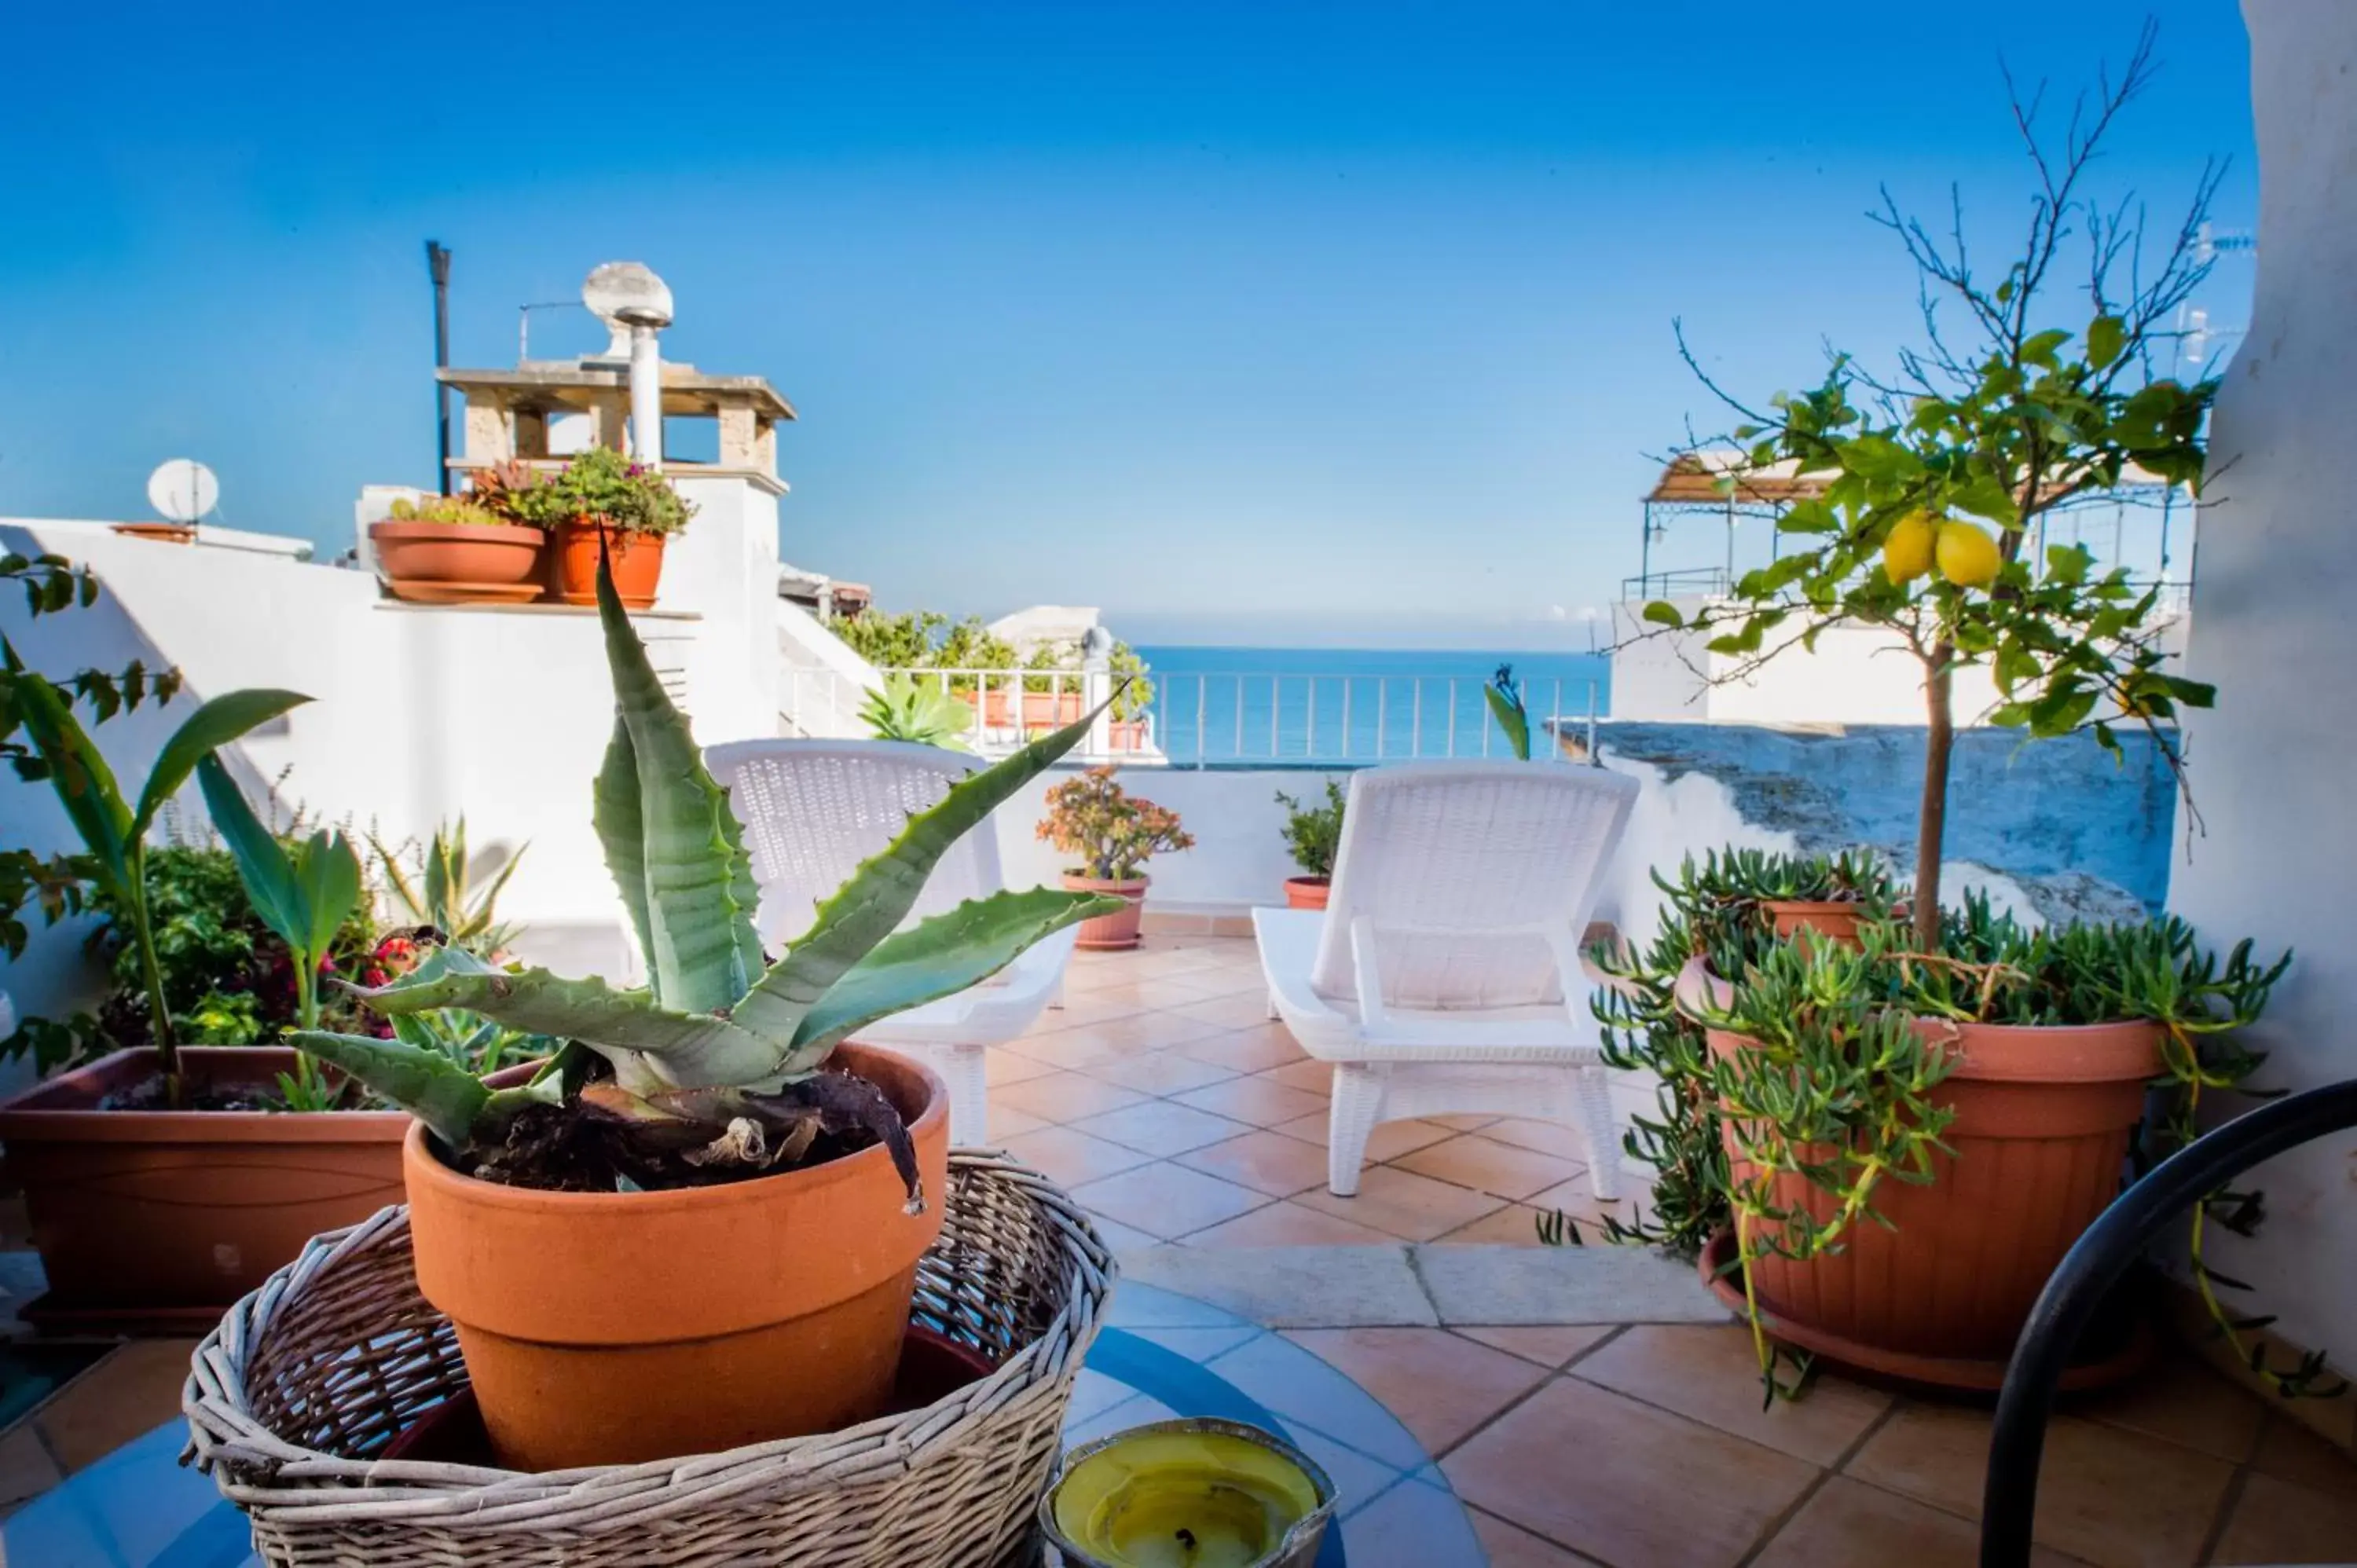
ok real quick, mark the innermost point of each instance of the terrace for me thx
(522, 1256)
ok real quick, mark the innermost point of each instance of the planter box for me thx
(156, 1221)
(449, 563)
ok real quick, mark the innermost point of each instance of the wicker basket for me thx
(316, 1372)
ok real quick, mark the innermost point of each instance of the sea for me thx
(1313, 705)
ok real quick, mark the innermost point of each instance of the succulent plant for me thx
(717, 1060)
(908, 708)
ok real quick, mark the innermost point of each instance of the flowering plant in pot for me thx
(1313, 834)
(1114, 833)
(455, 549)
(602, 507)
(716, 1122)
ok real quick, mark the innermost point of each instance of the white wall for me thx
(2272, 764)
(420, 713)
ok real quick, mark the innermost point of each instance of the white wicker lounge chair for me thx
(812, 810)
(1443, 977)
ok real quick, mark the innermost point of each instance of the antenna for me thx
(183, 490)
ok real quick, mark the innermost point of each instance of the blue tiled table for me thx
(1161, 1355)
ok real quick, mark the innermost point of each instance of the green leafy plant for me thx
(55, 884)
(2006, 427)
(908, 708)
(453, 510)
(304, 892)
(440, 892)
(1505, 700)
(927, 639)
(712, 1072)
(1314, 832)
(1113, 833)
(115, 831)
(601, 483)
(1852, 877)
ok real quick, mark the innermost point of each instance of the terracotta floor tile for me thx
(1461, 1124)
(1501, 1170)
(1002, 1067)
(1069, 1157)
(1413, 1208)
(1158, 1072)
(1004, 1122)
(2276, 1521)
(1513, 1226)
(1442, 1388)
(1063, 1097)
(1084, 1007)
(1713, 1375)
(1237, 1009)
(1288, 1224)
(1623, 1482)
(1122, 1237)
(1263, 1161)
(1848, 1524)
(1309, 1076)
(1167, 1200)
(1545, 1137)
(137, 1387)
(1511, 1548)
(1262, 1102)
(2187, 1403)
(1549, 1347)
(2108, 1497)
(2290, 1451)
(1246, 1050)
(1388, 1142)
(1161, 1127)
(25, 1468)
(1578, 1199)
(1083, 1046)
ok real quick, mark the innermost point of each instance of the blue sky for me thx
(1251, 323)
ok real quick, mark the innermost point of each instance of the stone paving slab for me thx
(1293, 1287)
(1510, 1285)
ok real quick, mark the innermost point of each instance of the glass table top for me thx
(1160, 1356)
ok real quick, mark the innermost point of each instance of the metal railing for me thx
(1246, 719)
(1004, 708)
(1685, 582)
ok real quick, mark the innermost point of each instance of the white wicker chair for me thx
(1442, 978)
(812, 810)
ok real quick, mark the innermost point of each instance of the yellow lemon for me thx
(1968, 556)
(1907, 550)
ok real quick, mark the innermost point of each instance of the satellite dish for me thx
(183, 489)
(628, 293)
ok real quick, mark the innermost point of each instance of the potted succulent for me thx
(162, 1179)
(909, 708)
(1829, 895)
(603, 502)
(1114, 833)
(1313, 834)
(456, 550)
(1839, 1125)
(775, 1186)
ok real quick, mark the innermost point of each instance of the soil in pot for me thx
(450, 563)
(612, 1327)
(1118, 931)
(151, 1219)
(1306, 891)
(2039, 1140)
(637, 560)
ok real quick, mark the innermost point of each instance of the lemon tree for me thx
(2043, 383)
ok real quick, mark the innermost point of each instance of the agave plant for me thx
(908, 708)
(716, 1062)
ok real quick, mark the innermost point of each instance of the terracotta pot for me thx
(636, 558)
(1118, 931)
(1306, 891)
(1127, 735)
(162, 533)
(156, 1221)
(2041, 1136)
(608, 1328)
(445, 562)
